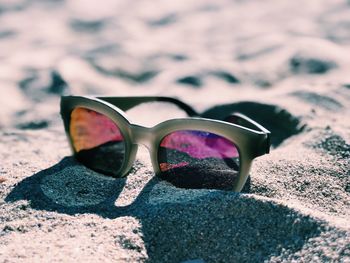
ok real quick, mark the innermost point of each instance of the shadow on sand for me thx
(177, 224)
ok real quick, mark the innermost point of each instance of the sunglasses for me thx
(191, 152)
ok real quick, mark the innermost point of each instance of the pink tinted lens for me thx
(97, 141)
(198, 159)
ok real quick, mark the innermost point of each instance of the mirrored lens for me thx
(198, 159)
(97, 141)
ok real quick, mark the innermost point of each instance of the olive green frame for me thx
(252, 139)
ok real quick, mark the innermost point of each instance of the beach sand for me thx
(286, 64)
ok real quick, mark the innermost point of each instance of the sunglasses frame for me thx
(251, 142)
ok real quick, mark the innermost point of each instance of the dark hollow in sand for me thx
(280, 122)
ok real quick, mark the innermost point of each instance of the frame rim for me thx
(248, 141)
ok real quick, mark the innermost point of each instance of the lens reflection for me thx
(198, 159)
(97, 141)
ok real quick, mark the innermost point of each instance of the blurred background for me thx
(203, 51)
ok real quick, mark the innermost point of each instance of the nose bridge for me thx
(142, 135)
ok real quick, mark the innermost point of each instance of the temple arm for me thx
(126, 103)
(242, 120)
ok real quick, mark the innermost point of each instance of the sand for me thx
(284, 63)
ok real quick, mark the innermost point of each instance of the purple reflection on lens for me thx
(198, 159)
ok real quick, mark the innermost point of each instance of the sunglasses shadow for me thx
(70, 188)
(194, 224)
